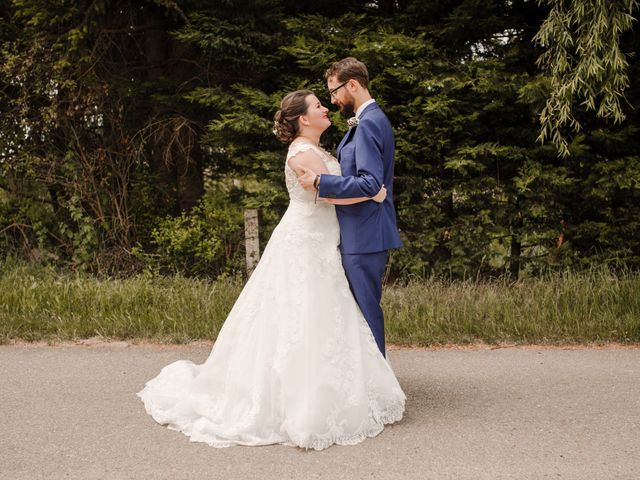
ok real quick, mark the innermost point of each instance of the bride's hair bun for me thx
(285, 121)
(284, 130)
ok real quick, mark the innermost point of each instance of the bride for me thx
(295, 362)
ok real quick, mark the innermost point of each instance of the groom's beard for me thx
(347, 109)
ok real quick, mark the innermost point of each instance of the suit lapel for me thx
(347, 136)
(344, 140)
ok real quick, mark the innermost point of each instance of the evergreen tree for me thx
(135, 133)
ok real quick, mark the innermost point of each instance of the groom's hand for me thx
(307, 178)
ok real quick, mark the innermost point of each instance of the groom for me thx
(367, 229)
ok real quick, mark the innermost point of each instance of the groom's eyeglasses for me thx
(332, 93)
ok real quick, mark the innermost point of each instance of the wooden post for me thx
(251, 239)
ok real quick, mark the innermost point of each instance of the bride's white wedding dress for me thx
(295, 362)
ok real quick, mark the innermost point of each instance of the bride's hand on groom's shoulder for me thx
(381, 195)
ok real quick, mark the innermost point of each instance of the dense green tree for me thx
(134, 133)
(94, 129)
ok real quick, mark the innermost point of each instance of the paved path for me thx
(70, 412)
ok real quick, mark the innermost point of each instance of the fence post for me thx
(251, 239)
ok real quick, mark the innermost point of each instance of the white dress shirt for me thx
(363, 106)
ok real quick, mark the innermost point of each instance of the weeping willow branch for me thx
(585, 64)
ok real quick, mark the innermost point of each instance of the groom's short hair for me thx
(348, 68)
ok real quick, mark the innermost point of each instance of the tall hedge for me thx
(133, 134)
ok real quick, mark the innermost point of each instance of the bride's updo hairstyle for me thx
(285, 121)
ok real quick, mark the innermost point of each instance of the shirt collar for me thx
(363, 106)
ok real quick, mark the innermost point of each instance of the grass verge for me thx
(38, 303)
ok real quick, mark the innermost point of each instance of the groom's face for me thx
(341, 96)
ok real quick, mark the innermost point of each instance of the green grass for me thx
(590, 307)
(38, 303)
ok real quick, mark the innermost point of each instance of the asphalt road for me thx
(70, 412)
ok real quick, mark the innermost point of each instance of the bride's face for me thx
(317, 116)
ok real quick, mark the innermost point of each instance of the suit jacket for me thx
(366, 159)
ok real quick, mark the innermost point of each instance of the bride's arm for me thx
(307, 163)
(307, 160)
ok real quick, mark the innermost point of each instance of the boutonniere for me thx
(353, 122)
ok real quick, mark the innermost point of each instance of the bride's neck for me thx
(310, 137)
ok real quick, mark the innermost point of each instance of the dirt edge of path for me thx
(102, 342)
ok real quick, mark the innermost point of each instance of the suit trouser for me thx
(365, 272)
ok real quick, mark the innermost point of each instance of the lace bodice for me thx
(296, 192)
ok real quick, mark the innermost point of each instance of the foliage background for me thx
(133, 134)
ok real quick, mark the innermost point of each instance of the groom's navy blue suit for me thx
(367, 229)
